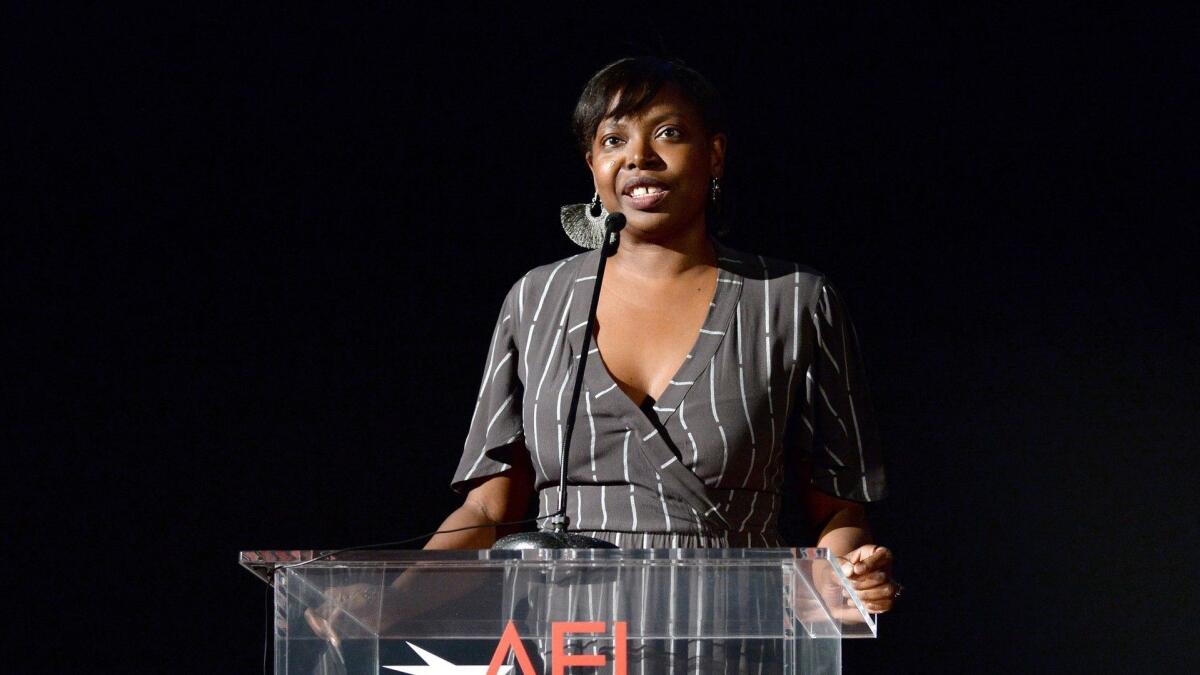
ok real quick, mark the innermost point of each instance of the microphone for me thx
(558, 536)
(613, 224)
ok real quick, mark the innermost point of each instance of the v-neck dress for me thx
(773, 381)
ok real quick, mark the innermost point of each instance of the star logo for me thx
(436, 665)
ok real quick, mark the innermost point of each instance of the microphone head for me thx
(522, 541)
(615, 222)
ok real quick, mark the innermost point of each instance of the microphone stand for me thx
(558, 536)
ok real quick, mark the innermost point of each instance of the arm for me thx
(847, 535)
(499, 498)
(843, 523)
(846, 463)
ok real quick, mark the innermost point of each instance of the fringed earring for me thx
(584, 223)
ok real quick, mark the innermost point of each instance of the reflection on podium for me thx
(544, 611)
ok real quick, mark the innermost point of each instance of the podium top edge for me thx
(261, 561)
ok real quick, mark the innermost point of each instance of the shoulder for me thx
(557, 271)
(545, 282)
(771, 275)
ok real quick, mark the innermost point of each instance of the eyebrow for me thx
(610, 123)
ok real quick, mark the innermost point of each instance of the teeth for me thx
(642, 191)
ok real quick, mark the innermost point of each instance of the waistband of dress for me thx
(744, 514)
(671, 540)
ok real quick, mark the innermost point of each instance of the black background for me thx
(257, 257)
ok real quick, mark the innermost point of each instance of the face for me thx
(655, 166)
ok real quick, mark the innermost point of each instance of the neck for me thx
(666, 258)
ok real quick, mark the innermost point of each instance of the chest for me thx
(645, 332)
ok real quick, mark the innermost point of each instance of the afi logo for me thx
(559, 660)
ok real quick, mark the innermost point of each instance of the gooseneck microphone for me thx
(558, 536)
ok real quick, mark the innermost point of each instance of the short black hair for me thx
(638, 80)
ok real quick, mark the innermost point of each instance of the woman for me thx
(713, 373)
(717, 372)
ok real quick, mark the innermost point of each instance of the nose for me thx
(641, 154)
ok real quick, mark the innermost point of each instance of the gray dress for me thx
(772, 381)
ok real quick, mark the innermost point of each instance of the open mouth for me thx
(644, 193)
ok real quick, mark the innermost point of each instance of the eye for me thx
(671, 132)
(609, 141)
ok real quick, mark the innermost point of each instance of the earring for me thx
(595, 208)
(718, 209)
(584, 223)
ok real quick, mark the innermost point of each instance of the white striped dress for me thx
(773, 379)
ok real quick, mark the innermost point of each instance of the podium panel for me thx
(560, 611)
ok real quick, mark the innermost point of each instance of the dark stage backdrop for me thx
(265, 248)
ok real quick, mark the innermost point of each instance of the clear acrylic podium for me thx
(778, 610)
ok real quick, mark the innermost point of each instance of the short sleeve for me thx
(496, 422)
(846, 457)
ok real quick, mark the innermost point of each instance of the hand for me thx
(869, 570)
(343, 613)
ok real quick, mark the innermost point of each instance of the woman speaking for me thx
(712, 372)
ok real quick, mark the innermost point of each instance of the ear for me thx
(717, 154)
(587, 157)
